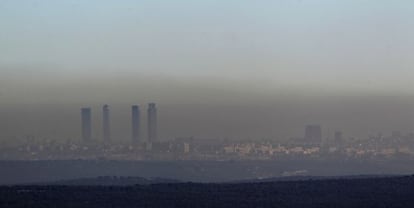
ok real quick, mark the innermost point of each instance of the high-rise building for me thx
(396, 135)
(339, 140)
(338, 136)
(86, 116)
(106, 125)
(313, 134)
(135, 121)
(152, 122)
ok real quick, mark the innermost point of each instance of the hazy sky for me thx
(216, 68)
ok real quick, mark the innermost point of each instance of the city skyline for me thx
(235, 69)
(259, 119)
(313, 133)
(192, 103)
(136, 129)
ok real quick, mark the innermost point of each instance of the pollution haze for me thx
(216, 69)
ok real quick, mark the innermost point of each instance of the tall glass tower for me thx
(86, 116)
(135, 121)
(152, 122)
(106, 126)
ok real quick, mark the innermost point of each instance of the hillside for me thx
(361, 192)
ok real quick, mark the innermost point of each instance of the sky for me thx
(242, 69)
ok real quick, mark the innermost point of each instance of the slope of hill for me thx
(110, 181)
(362, 192)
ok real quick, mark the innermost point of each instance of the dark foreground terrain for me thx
(24, 172)
(363, 192)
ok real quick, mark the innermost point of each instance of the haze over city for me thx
(234, 69)
(206, 103)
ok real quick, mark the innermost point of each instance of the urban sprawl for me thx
(312, 145)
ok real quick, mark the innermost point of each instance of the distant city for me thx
(136, 135)
(311, 146)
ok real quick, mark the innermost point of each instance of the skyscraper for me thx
(106, 123)
(152, 122)
(339, 141)
(86, 124)
(338, 137)
(135, 121)
(313, 134)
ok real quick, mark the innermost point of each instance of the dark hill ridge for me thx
(110, 181)
(307, 178)
(360, 192)
(129, 181)
(29, 172)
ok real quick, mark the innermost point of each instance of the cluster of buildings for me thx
(312, 145)
(136, 130)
